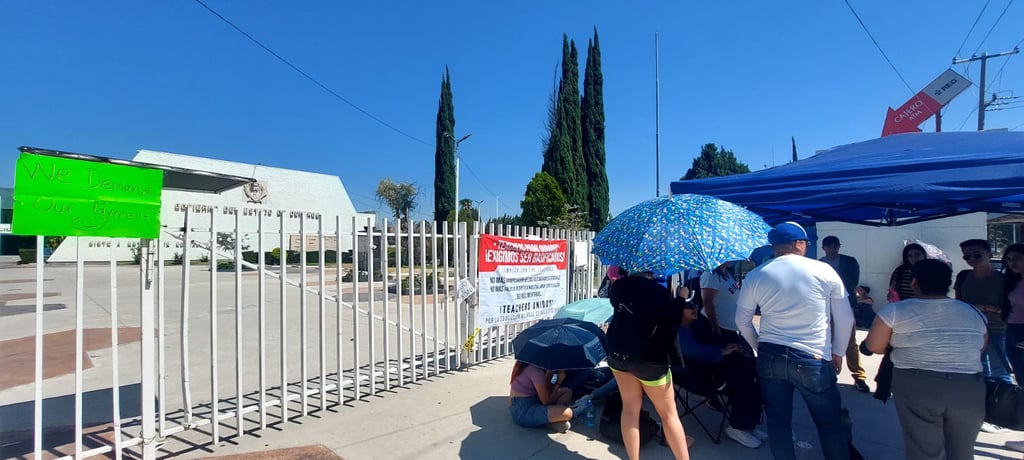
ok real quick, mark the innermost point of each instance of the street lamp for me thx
(479, 211)
(455, 222)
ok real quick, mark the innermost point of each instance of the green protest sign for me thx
(58, 196)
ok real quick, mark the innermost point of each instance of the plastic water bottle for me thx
(590, 419)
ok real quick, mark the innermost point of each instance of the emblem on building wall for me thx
(255, 192)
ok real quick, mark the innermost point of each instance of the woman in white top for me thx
(936, 353)
(719, 290)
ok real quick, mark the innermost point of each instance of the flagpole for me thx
(657, 121)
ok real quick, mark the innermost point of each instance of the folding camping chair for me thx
(696, 389)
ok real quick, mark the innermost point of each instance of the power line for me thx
(483, 185)
(335, 94)
(967, 65)
(968, 117)
(999, 73)
(880, 50)
(961, 48)
(990, 29)
(310, 77)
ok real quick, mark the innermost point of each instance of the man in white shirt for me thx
(797, 297)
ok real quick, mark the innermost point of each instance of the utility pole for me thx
(982, 105)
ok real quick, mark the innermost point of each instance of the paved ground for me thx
(464, 415)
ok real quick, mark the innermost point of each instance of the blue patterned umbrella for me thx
(678, 232)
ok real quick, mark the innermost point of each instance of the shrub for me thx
(28, 256)
(251, 256)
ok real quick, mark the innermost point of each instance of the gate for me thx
(245, 319)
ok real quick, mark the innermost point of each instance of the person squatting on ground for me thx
(936, 348)
(849, 271)
(712, 360)
(641, 349)
(797, 296)
(537, 398)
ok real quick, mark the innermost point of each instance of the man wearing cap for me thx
(849, 271)
(797, 296)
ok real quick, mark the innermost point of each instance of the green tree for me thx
(400, 197)
(715, 161)
(571, 218)
(444, 152)
(467, 213)
(543, 201)
(505, 220)
(563, 149)
(592, 119)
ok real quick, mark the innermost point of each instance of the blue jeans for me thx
(783, 369)
(1015, 335)
(994, 362)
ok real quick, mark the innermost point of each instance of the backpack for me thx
(1004, 404)
(611, 415)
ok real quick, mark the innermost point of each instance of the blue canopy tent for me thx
(893, 180)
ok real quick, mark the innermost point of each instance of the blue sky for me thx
(109, 78)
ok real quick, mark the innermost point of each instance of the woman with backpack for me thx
(641, 349)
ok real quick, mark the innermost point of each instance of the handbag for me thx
(611, 416)
(1004, 404)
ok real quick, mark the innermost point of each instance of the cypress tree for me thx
(444, 153)
(577, 195)
(563, 153)
(592, 119)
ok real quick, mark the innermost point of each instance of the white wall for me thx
(288, 190)
(879, 249)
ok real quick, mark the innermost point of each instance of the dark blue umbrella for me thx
(560, 344)
(673, 233)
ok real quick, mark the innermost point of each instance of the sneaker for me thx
(744, 438)
(560, 427)
(579, 408)
(761, 434)
(862, 386)
(1015, 445)
(990, 428)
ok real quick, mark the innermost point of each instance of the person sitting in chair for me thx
(712, 361)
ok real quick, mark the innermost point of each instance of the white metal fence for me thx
(233, 342)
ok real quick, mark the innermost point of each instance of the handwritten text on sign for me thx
(57, 196)
(520, 280)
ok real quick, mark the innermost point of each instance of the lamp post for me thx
(455, 221)
(479, 211)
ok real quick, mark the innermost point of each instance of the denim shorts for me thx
(528, 411)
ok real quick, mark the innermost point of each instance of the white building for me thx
(880, 249)
(296, 194)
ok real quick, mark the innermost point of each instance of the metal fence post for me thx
(147, 407)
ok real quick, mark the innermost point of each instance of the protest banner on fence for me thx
(520, 280)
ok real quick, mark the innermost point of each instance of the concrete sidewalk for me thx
(465, 415)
